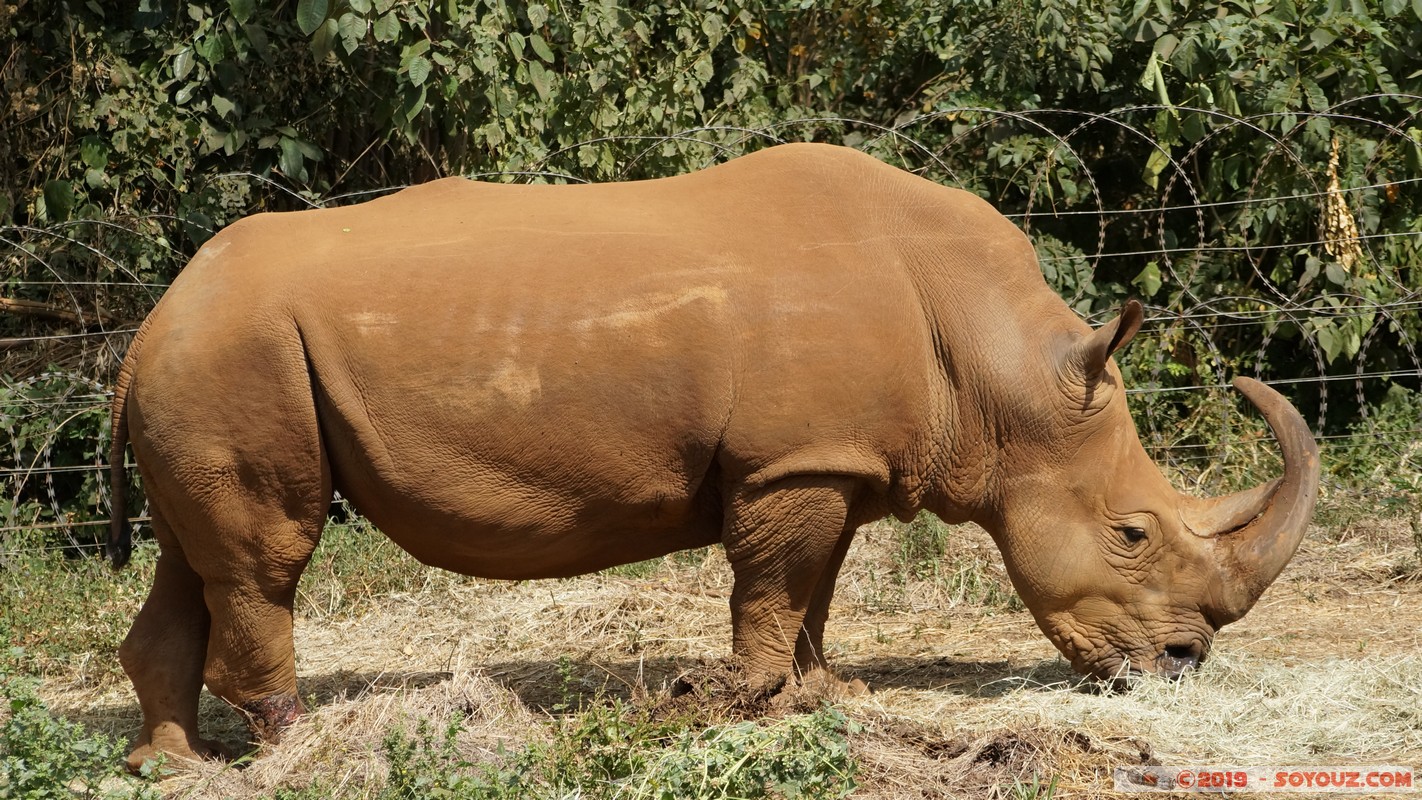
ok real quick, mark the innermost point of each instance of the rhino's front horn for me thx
(1256, 531)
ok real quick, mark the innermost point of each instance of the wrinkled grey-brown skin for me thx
(542, 381)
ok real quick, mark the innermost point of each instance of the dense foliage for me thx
(44, 757)
(132, 131)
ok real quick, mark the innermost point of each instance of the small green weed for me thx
(619, 752)
(43, 757)
(1376, 471)
(354, 564)
(1381, 453)
(922, 545)
(969, 580)
(1031, 790)
(646, 569)
(637, 569)
(63, 609)
(925, 552)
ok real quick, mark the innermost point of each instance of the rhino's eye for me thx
(1133, 536)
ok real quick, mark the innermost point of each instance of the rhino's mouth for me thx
(1101, 658)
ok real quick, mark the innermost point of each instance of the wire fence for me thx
(1303, 271)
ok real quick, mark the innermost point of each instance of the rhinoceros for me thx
(535, 381)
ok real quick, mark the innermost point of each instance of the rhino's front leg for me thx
(251, 655)
(810, 645)
(783, 541)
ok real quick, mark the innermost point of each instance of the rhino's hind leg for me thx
(163, 656)
(782, 542)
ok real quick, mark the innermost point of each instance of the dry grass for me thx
(339, 743)
(969, 698)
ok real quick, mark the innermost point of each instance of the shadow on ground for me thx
(569, 684)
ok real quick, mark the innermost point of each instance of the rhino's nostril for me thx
(1178, 658)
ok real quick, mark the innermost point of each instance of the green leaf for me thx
(1311, 268)
(310, 14)
(212, 49)
(352, 30)
(1157, 162)
(94, 152)
(1336, 274)
(418, 69)
(290, 161)
(537, 15)
(386, 28)
(222, 105)
(414, 103)
(1192, 127)
(58, 199)
(1166, 46)
(1285, 11)
(183, 64)
(258, 37)
(1417, 9)
(198, 226)
(1148, 281)
(542, 79)
(1149, 30)
(361, 7)
(1352, 342)
(242, 9)
(324, 40)
(713, 27)
(541, 48)
(1151, 72)
(310, 151)
(1328, 339)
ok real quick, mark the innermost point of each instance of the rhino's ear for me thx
(1089, 355)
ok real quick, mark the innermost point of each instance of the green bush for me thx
(925, 551)
(620, 752)
(133, 136)
(43, 757)
(70, 613)
(355, 564)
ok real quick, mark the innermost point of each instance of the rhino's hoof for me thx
(832, 687)
(269, 716)
(190, 750)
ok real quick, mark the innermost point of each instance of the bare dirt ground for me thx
(967, 699)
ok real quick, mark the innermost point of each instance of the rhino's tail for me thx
(120, 544)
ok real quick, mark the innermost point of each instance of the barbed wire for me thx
(53, 425)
